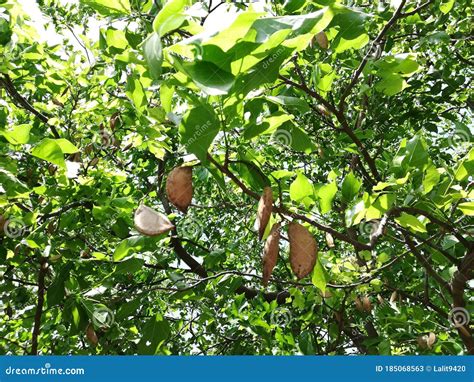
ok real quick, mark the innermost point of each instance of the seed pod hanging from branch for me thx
(303, 250)
(270, 252)
(265, 206)
(179, 187)
(151, 223)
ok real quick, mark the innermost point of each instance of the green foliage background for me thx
(367, 143)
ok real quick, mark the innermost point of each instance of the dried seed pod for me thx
(265, 207)
(326, 294)
(431, 339)
(366, 304)
(422, 342)
(94, 162)
(322, 40)
(151, 223)
(323, 110)
(89, 149)
(303, 250)
(393, 297)
(179, 187)
(52, 169)
(3, 220)
(51, 227)
(270, 252)
(91, 335)
(358, 304)
(329, 240)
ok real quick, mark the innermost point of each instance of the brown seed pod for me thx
(326, 294)
(51, 227)
(303, 250)
(426, 341)
(431, 339)
(151, 223)
(329, 240)
(52, 169)
(366, 304)
(179, 187)
(323, 110)
(381, 299)
(265, 206)
(322, 40)
(3, 220)
(393, 297)
(358, 304)
(270, 252)
(89, 149)
(422, 342)
(94, 162)
(91, 335)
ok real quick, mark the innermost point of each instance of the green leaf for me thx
(128, 309)
(301, 190)
(109, 7)
(49, 150)
(416, 152)
(198, 129)
(268, 125)
(319, 277)
(5, 32)
(466, 167)
(431, 179)
(351, 31)
(66, 146)
(18, 135)
(410, 221)
(56, 291)
(170, 17)
(136, 93)
(446, 6)
(350, 187)
(153, 54)
(292, 103)
(116, 39)
(207, 76)
(326, 195)
(391, 84)
(154, 333)
(467, 208)
(133, 243)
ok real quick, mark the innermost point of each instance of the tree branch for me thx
(22, 102)
(364, 61)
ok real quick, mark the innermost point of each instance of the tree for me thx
(355, 114)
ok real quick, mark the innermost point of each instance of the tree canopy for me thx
(354, 118)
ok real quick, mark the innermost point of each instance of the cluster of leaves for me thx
(367, 143)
